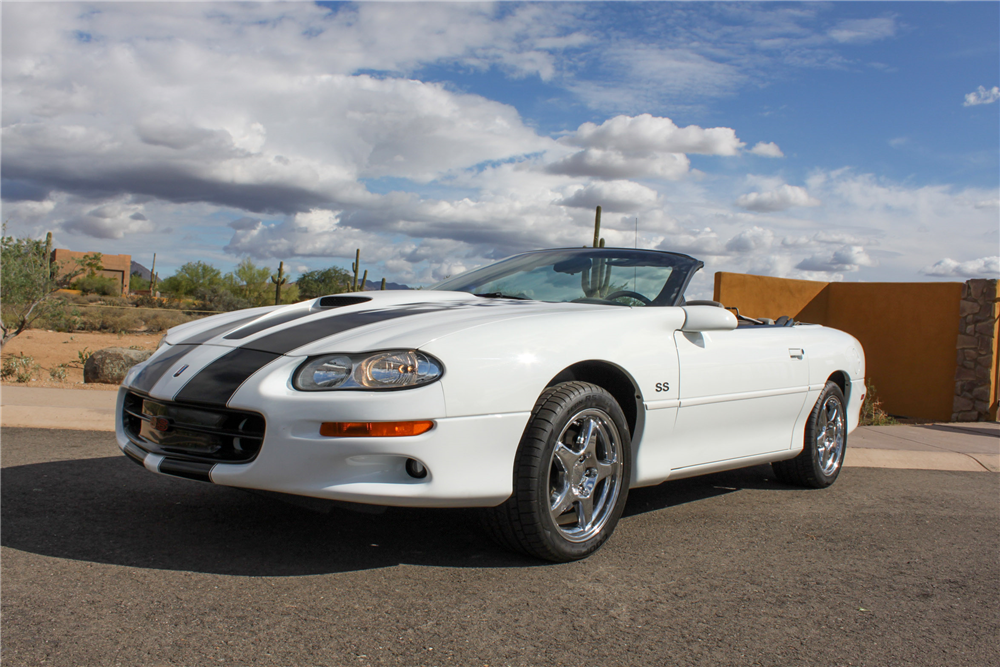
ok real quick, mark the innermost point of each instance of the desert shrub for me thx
(321, 282)
(137, 283)
(78, 317)
(95, 284)
(83, 355)
(220, 300)
(191, 277)
(19, 368)
(872, 413)
(58, 373)
(144, 301)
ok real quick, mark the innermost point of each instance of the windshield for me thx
(610, 276)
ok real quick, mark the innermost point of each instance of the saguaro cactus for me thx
(598, 241)
(595, 282)
(278, 281)
(48, 254)
(355, 287)
(383, 285)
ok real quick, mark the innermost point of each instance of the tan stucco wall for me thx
(118, 267)
(908, 330)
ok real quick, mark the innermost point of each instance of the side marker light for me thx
(374, 429)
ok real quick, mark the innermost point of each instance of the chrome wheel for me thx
(830, 435)
(585, 475)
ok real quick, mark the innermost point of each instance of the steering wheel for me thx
(630, 294)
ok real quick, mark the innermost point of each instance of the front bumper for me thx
(469, 460)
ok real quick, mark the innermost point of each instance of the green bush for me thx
(137, 283)
(313, 284)
(19, 368)
(220, 300)
(95, 284)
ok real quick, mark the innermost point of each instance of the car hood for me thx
(359, 321)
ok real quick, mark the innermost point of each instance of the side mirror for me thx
(707, 318)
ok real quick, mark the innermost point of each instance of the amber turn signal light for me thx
(374, 429)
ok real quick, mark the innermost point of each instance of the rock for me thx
(966, 342)
(109, 366)
(968, 308)
(965, 374)
(962, 404)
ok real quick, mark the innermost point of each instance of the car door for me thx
(740, 393)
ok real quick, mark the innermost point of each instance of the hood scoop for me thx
(341, 301)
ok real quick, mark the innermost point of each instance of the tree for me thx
(191, 277)
(313, 284)
(137, 283)
(250, 282)
(26, 284)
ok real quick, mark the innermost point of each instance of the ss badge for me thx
(662, 386)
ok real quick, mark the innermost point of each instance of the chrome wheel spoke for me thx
(562, 504)
(567, 458)
(585, 512)
(606, 469)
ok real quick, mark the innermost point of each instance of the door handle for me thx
(796, 352)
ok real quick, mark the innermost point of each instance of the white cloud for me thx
(982, 96)
(847, 258)
(642, 146)
(864, 30)
(615, 165)
(645, 134)
(984, 267)
(112, 220)
(618, 196)
(783, 198)
(751, 240)
(769, 149)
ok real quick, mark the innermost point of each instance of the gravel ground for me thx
(106, 564)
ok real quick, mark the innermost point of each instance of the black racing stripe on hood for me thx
(266, 322)
(209, 334)
(216, 383)
(155, 369)
(289, 339)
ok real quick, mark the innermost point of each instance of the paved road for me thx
(106, 564)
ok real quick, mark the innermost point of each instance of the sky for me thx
(821, 141)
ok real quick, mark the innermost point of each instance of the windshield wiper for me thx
(501, 295)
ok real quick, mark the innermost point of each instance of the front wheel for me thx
(571, 476)
(825, 444)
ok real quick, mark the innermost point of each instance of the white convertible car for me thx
(540, 388)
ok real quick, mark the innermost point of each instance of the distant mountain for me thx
(140, 269)
(371, 286)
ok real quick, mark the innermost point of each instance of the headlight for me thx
(394, 369)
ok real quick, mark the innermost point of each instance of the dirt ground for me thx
(52, 348)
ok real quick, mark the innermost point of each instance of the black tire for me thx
(822, 454)
(558, 514)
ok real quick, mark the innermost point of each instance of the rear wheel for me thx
(571, 476)
(825, 444)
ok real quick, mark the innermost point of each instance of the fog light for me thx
(415, 469)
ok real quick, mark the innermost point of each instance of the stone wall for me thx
(976, 374)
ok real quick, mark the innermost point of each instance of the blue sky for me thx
(833, 141)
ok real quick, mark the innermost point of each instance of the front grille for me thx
(191, 432)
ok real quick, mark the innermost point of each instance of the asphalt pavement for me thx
(105, 563)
